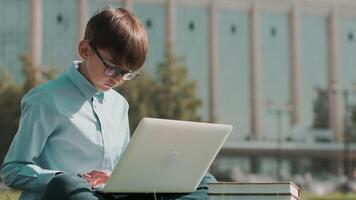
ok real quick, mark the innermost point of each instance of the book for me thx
(253, 191)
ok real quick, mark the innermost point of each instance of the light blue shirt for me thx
(65, 125)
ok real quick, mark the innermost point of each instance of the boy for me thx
(73, 129)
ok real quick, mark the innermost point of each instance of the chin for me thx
(103, 88)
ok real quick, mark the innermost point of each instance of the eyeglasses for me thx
(113, 70)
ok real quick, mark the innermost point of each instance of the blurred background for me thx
(282, 72)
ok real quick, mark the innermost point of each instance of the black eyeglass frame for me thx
(126, 75)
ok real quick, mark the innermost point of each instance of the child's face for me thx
(96, 65)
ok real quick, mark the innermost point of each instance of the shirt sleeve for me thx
(37, 122)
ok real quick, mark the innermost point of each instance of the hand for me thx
(96, 177)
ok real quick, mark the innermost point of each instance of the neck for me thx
(82, 67)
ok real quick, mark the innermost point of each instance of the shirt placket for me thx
(98, 110)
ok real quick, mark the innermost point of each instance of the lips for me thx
(109, 85)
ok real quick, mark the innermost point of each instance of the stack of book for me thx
(253, 191)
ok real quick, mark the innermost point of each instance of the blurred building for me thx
(277, 70)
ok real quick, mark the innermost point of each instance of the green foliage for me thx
(138, 94)
(321, 115)
(11, 93)
(170, 95)
(332, 196)
(320, 109)
(353, 117)
(10, 96)
(350, 129)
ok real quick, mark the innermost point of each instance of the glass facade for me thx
(95, 5)
(59, 33)
(347, 27)
(275, 67)
(314, 67)
(14, 35)
(153, 17)
(234, 71)
(192, 45)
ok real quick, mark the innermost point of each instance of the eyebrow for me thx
(112, 64)
(108, 61)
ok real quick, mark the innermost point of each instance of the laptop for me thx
(167, 156)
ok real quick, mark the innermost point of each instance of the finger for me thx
(86, 176)
(92, 180)
(100, 176)
(104, 177)
(98, 182)
(103, 171)
(99, 173)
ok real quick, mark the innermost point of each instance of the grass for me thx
(333, 196)
(9, 195)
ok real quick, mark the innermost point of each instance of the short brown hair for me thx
(121, 33)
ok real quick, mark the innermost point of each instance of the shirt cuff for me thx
(46, 176)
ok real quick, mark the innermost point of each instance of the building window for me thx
(191, 26)
(149, 23)
(233, 29)
(351, 36)
(59, 18)
(273, 31)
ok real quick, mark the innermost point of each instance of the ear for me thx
(84, 49)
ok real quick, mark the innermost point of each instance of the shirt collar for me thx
(83, 85)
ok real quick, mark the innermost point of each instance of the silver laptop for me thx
(167, 156)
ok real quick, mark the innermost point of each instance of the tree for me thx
(321, 114)
(139, 96)
(11, 93)
(10, 96)
(320, 109)
(353, 117)
(170, 95)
